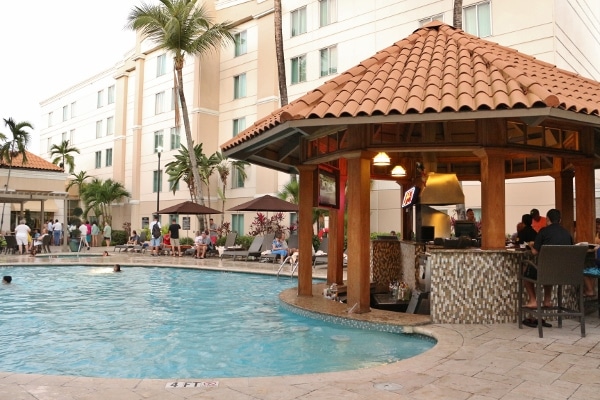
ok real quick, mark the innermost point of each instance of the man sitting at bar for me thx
(552, 234)
(527, 234)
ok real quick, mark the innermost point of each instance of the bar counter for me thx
(474, 286)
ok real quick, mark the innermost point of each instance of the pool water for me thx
(173, 323)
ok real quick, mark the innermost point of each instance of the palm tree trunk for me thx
(283, 97)
(457, 15)
(188, 135)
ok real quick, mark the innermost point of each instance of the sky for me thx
(50, 45)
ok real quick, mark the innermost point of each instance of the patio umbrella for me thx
(189, 208)
(266, 203)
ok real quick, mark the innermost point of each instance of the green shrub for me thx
(186, 241)
(221, 241)
(118, 237)
(244, 241)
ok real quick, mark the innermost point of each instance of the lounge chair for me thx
(229, 242)
(11, 244)
(139, 247)
(253, 250)
(321, 254)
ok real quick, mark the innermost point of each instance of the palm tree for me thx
(283, 97)
(290, 191)
(13, 147)
(224, 166)
(78, 179)
(99, 195)
(180, 169)
(457, 14)
(183, 28)
(63, 155)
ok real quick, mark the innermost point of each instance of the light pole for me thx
(159, 150)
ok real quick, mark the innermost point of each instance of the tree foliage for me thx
(99, 195)
(62, 155)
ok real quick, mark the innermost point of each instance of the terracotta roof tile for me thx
(438, 68)
(34, 162)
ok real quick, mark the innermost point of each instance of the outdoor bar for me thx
(440, 101)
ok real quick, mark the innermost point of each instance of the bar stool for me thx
(594, 272)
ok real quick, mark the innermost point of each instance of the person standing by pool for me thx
(84, 232)
(212, 227)
(57, 232)
(22, 236)
(107, 233)
(174, 231)
(88, 237)
(155, 236)
(95, 233)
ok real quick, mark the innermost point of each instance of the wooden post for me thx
(335, 258)
(493, 212)
(358, 235)
(585, 206)
(305, 228)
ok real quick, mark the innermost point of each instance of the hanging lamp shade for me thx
(381, 159)
(398, 171)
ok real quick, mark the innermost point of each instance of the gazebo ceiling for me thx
(438, 73)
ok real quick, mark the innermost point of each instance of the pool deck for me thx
(469, 361)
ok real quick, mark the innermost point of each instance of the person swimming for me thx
(117, 268)
(6, 279)
(105, 254)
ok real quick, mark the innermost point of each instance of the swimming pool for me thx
(173, 323)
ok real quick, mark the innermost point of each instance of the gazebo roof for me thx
(437, 70)
(34, 162)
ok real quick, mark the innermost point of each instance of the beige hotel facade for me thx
(118, 117)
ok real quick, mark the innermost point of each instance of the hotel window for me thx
(477, 19)
(298, 21)
(73, 109)
(158, 140)
(328, 61)
(237, 223)
(49, 145)
(63, 136)
(109, 157)
(175, 138)
(299, 69)
(71, 136)
(100, 99)
(98, 159)
(110, 126)
(239, 86)
(157, 181)
(327, 12)
(236, 179)
(425, 21)
(161, 65)
(111, 94)
(159, 103)
(239, 125)
(50, 119)
(98, 129)
(241, 44)
(65, 113)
